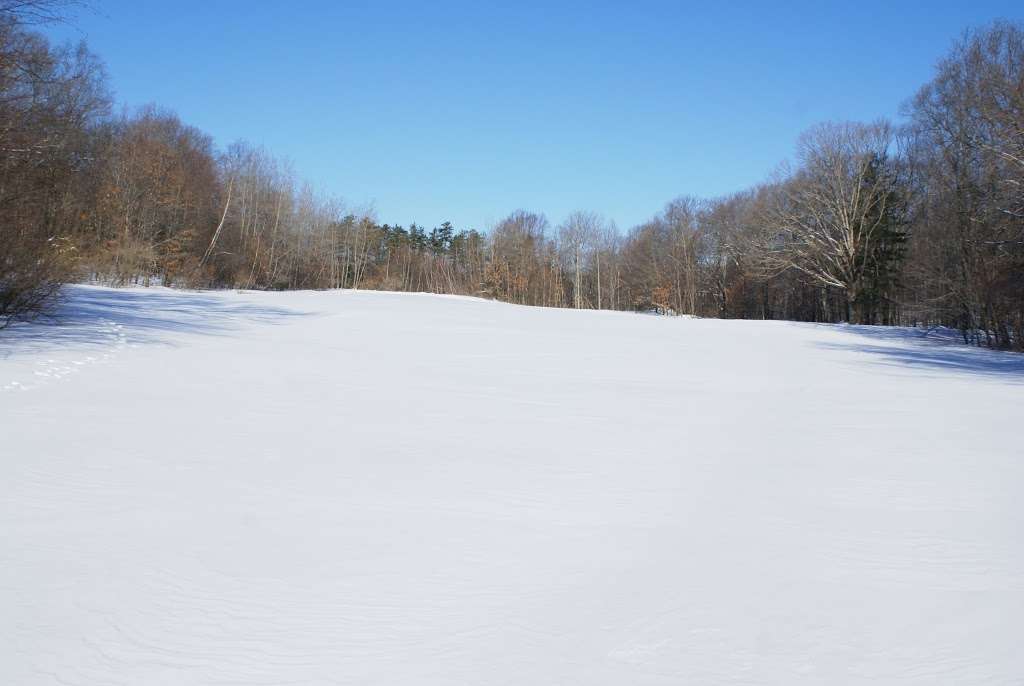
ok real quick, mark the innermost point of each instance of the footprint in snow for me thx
(52, 369)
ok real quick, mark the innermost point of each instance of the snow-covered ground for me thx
(375, 488)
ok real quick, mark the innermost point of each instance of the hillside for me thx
(375, 488)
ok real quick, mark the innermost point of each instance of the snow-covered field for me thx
(375, 488)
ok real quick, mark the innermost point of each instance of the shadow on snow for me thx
(931, 349)
(87, 315)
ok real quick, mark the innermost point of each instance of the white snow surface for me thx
(378, 488)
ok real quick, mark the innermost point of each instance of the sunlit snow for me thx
(376, 488)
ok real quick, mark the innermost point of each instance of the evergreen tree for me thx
(882, 255)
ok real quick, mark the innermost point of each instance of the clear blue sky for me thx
(465, 111)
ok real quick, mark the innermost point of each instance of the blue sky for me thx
(464, 111)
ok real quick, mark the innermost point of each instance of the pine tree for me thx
(882, 256)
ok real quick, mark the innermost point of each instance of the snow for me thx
(379, 488)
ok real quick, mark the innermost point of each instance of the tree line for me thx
(918, 224)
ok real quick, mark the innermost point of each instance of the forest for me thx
(916, 223)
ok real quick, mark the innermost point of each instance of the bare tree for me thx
(518, 268)
(30, 12)
(49, 99)
(577, 235)
(969, 123)
(833, 212)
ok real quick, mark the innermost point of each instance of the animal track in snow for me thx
(112, 341)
